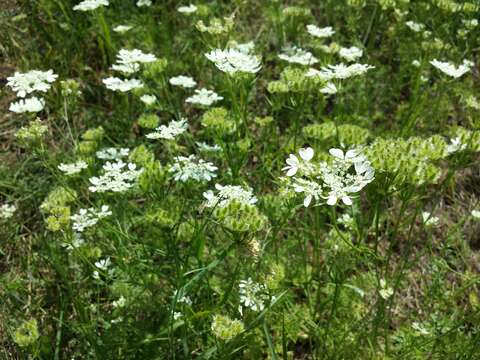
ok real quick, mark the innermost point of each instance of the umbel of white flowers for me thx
(236, 59)
(339, 179)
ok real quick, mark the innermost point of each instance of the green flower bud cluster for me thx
(154, 69)
(447, 5)
(58, 197)
(293, 80)
(348, 134)
(296, 11)
(225, 328)
(160, 217)
(218, 121)
(392, 4)
(217, 26)
(410, 160)
(91, 139)
(70, 88)
(275, 276)
(141, 156)
(26, 334)
(32, 134)
(148, 121)
(153, 177)
(356, 3)
(59, 219)
(240, 217)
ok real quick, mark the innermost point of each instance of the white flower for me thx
(385, 291)
(103, 264)
(169, 132)
(236, 59)
(420, 328)
(128, 61)
(86, 218)
(320, 32)
(116, 84)
(202, 146)
(117, 177)
(145, 3)
(226, 194)
(88, 5)
(120, 302)
(177, 315)
(455, 145)
(76, 242)
(74, 168)
(187, 9)
(183, 81)
(186, 168)
(428, 219)
(414, 26)
(340, 71)
(122, 28)
(329, 89)
(7, 211)
(297, 55)
(416, 63)
(112, 153)
(34, 80)
(252, 295)
(32, 104)
(450, 69)
(204, 97)
(148, 99)
(311, 190)
(294, 164)
(351, 53)
(476, 214)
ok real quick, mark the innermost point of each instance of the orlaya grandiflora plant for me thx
(338, 180)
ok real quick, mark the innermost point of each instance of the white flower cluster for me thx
(350, 54)
(186, 168)
(236, 59)
(117, 177)
(27, 83)
(86, 218)
(455, 145)
(88, 5)
(414, 26)
(169, 132)
(142, 3)
(320, 32)
(204, 97)
(32, 104)
(73, 168)
(183, 81)
(128, 61)
(204, 147)
(228, 193)
(330, 181)
(190, 9)
(452, 70)
(112, 153)
(429, 220)
(7, 211)
(252, 295)
(148, 99)
(297, 55)
(116, 84)
(121, 29)
(340, 71)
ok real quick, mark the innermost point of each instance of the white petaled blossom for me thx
(190, 9)
(204, 97)
(450, 69)
(350, 54)
(476, 214)
(385, 291)
(116, 84)
(252, 295)
(186, 168)
(202, 146)
(34, 80)
(76, 242)
(117, 177)
(122, 28)
(236, 59)
(103, 264)
(340, 71)
(329, 89)
(128, 61)
(86, 218)
(148, 99)
(297, 55)
(429, 220)
(112, 153)
(170, 131)
(228, 193)
(414, 26)
(32, 105)
(183, 81)
(88, 5)
(320, 32)
(455, 145)
(146, 3)
(7, 211)
(73, 168)
(337, 180)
